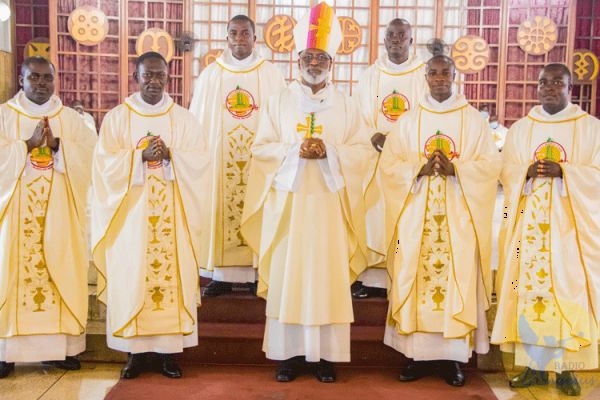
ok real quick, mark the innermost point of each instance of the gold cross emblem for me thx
(323, 28)
(309, 129)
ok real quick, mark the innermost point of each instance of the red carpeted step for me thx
(231, 329)
(238, 307)
(241, 307)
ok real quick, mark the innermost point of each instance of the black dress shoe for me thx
(6, 368)
(325, 372)
(529, 377)
(567, 383)
(355, 286)
(69, 363)
(286, 370)
(169, 366)
(415, 370)
(252, 286)
(452, 373)
(134, 366)
(217, 288)
(364, 292)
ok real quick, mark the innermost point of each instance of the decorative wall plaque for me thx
(88, 25)
(538, 35)
(38, 47)
(585, 66)
(352, 35)
(157, 40)
(279, 33)
(210, 57)
(470, 54)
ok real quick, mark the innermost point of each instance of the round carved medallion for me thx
(538, 35)
(88, 25)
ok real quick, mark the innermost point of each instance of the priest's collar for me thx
(454, 102)
(384, 64)
(313, 102)
(137, 104)
(570, 112)
(25, 106)
(228, 61)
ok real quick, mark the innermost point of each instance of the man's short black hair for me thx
(242, 18)
(35, 60)
(562, 67)
(398, 21)
(149, 55)
(441, 57)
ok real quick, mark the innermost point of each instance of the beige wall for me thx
(7, 76)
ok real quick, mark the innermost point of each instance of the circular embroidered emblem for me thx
(550, 150)
(394, 105)
(240, 103)
(41, 158)
(142, 144)
(439, 141)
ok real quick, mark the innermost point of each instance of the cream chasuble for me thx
(305, 220)
(441, 283)
(548, 279)
(227, 99)
(386, 91)
(44, 261)
(146, 225)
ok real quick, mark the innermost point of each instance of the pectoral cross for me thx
(309, 129)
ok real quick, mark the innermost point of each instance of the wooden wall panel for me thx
(587, 36)
(91, 74)
(31, 19)
(101, 75)
(522, 70)
(483, 18)
(167, 15)
(209, 25)
(7, 80)
(265, 9)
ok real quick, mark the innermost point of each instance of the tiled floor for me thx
(94, 380)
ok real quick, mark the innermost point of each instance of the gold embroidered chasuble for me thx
(43, 289)
(309, 234)
(227, 100)
(146, 218)
(547, 285)
(386, 92)
(435, 273)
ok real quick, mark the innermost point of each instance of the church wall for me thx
(100, 74)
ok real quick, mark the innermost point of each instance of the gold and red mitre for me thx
(319, 29)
